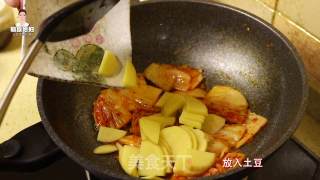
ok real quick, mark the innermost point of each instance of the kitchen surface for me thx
(297, 19)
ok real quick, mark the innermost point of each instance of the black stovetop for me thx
(291, 162)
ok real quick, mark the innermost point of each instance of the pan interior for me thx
(232, 48)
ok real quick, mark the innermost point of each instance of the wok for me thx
(233, 48)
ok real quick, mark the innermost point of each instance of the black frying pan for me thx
(233, 48)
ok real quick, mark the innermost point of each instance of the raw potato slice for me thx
(152, 163)
(253, 125)
(228, 103)
(219, 147)
(164, 144)
(231, 134)
(213, 123)
(163, 120)
(108, 135)
(193, 164)
(189, 130)
(126, 156)
(167, 158)
(201, 161)
(150, 129)
(130, 75)
(105, 149)
(163, 99)
(110, 65)
(201, 139)
(185, 115)
(190, 123)
(195, 106)
(173, 105)
(177, 138)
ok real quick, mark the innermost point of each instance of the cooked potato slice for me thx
(253, 124)
(228, 103)
(231, 133)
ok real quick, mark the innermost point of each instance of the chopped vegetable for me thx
(213, 123)
(201, 139)
(194, 163)
(127, 159)
(149, 150)
(177, 139)
(105, 149)
(195, 106)
(110, 65)
(106, 134)
(130, 75)
(173, 105)
(150, 129)
(192, 136)
(163, 99)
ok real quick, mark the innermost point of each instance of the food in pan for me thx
(165, 123)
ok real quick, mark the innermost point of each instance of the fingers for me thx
(13, 3)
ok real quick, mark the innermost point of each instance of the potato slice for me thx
(151, 162)
(173, 105)
(163, 99)
(167, 158)
(201, 161)
(105, 149)
(213, 123)
(195, 163)
(110, 65)
(130, 75)
(177, 138)
(228, 103)
(163, 120)
(146, 95)
(158, 74)
(231, 133)
(190, 123)
(185, 115)
(253, 125)
(108, 135)
(189, 130)
(195, 106)
(128, 158)
(219, 147)
(201, 139)
(150, 129)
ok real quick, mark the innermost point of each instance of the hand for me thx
(13, 3)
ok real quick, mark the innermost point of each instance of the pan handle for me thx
(29, 150)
